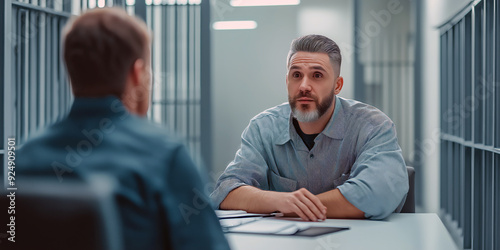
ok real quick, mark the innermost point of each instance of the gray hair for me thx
(317, 43)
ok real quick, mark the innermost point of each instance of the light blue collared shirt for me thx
(357, 152)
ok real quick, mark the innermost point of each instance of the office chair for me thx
(409, 205)
(72, 214)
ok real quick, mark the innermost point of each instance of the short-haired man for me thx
(318, 156)
(107, 54)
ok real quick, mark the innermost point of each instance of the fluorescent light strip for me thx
(242, 3)
(164, 2)
(234, 25)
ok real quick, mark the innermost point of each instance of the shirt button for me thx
(311, 156)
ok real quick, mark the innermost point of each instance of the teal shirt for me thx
(357, 152)
(160, 191)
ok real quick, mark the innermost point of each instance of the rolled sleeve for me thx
(248, 168)
(378, 181)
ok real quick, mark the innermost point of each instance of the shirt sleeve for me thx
(192, 222)
(378, 181)
(249, 166)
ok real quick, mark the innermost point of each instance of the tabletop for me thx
(398, 231)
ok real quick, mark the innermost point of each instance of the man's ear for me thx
(339, 83)
(137, 71)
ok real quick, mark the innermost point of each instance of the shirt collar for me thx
(335, 128)
(108, 106)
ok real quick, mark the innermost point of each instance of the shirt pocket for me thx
(341, 179)
(282, 184)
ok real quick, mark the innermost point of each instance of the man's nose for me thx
(305, 85)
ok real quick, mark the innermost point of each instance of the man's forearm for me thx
(250, 199)
(338, 206)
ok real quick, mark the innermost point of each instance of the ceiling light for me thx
(241, 3)
(234, 25)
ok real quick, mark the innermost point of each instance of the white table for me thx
(398, 232)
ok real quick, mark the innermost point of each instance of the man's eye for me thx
(296, 75)
(318, 75)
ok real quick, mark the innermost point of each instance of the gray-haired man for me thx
(318, 156)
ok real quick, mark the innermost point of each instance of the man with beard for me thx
(319, 155)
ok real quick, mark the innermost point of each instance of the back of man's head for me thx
(100, 48)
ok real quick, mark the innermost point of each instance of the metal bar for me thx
(442, 171)
(188, 72)
(371, 96)
(150, 21)
(418, 96)
(489, 209)
(41, 71)
(461, 79)
(140, 9)
(467, 76)
(383, 77)
(482, 204)
(478, 65)
(389, 87)
(197, 108)
(63, 80)
(359, 88)
(496, 193)
(497, 74)
(55, 61)
(7, 118)
(33, 70)
(25, 81)
(17, 73)
(477, 197)
(48, 77)
(467, 198)
(483, 72)
(495, 78)
(166, 53)
(456, 124)
(489, 73)
(176, 70)
(496, 124)
(205, 85)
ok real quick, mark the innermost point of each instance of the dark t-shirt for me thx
(308, 139)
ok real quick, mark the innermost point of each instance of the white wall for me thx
(435, 13)
(249, 66)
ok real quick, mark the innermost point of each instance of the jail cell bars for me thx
(388, 80)
(42, 92)
(176, 90)
(470, 126)
(36, 90)
(385, 65)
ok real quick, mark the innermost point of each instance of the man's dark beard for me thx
(322, 108)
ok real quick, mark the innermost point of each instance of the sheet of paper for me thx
(226, 213)
(227, 223)
(267, 227)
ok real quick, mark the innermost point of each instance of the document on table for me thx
(269, 227)
(231, 214)
(239, 221)
(233, 218)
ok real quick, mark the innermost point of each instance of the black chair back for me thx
(409, 205)
(72, 214)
